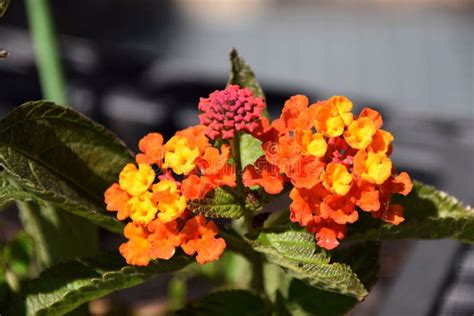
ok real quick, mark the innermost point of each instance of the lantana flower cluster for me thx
(150, 195)
(333, 163)
(336, 162)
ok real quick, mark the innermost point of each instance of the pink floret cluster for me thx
(228, 110)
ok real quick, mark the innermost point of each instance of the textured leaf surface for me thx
(218, 204)
(241, 74)
(10, 193)
(57, 155)
(229, 303)
(66, 286)
(295, 250)
(429, 213)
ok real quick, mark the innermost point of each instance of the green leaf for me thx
(59, 156)
(217, 204)
(429, 214)
(66, 286)
(250, 149)
(295, 297)
(304, 299)
(3, 6)
(58, 235)
(229, 303)
(10, 193)
(294, 250)
(18, 254)
(241, 74)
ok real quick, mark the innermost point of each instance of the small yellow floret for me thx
(179, 156)
(337, 179)
(136, 181)
(379, 168)
(344, 108)
(311, 143)
(317, 146)
(142, 208)
(333, 115)
(360, 132)
(171, 204)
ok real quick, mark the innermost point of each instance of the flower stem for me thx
(46, 49)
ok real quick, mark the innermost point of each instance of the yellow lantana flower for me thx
(360, 132)
(372, 167)
(171, 204)
(179, 156)
(312, 143)
(337, 179)
(333, 115)
(142, 208)
(136, 181)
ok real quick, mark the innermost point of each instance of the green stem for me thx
(46, 49)
(235, 142)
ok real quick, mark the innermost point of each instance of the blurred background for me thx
(141, 66)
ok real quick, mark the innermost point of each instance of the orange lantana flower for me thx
(196, 136)
(327, 232)
(136, 249)
(116, 200)
(152, 149)
(306, 203)
(264, 174)
(163, 238)
(197, 236)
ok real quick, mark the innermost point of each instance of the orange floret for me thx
(291, 112)
(195, 187)
(333, 115)
(368, 198)
(164, 238)
(327, 233)
(393, 214)
(152, 149)
(197, 236)
(216, 167)
(136, 249)
(402, 184)
(286, 154)
(116, 200)
(196, 137)
(263, 174)
(341, 209)
(373, 115)
(381, 142)
(306, 203)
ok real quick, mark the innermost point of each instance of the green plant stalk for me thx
(58, 236)
(46, 50)
(177, 288)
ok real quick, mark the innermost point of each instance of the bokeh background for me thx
(141, 66)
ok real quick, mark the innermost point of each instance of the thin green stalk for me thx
(58, 235)
(46, 49)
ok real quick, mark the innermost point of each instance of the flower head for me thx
(229, 110)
